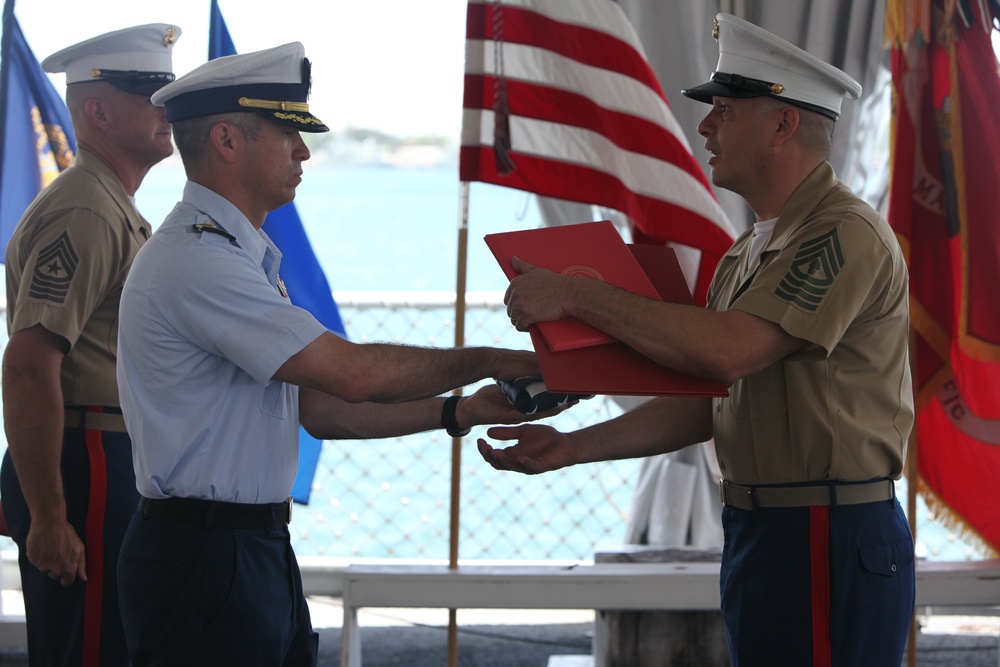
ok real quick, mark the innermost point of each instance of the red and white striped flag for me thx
(561, 101)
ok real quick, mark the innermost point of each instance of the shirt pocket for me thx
(277, 399)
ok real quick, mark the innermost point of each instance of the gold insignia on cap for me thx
(170, 37)
(776, 88)
(95, 73)
(715, 29)
(273, 104)
(300, 119)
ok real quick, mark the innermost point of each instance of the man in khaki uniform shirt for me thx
(68, 487)
(808, 325)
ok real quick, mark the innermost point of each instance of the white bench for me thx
(606, 586)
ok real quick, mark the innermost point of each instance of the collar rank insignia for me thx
(281, 287)
(214, 229)
(816, 265)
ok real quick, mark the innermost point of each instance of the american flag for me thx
(561, 101)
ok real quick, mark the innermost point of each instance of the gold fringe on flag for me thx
(943, 514)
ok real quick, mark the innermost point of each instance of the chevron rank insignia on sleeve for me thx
(815, 267)
(54, 270)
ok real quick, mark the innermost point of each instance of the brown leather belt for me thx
(835, 493)
(216, 513)
(94, 421)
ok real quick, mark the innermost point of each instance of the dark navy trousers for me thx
(200, 596)
(818, 586)
(78, 624)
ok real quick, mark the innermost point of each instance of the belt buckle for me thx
(728, 489)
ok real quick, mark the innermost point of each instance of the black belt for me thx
(834, 493)
(217, 514)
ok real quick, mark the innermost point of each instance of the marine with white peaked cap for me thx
(67, 482)
(808, 324)
(219, 368)
(136, 60)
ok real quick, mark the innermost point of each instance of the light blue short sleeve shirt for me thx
(204, 327)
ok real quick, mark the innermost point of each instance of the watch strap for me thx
(448, 421)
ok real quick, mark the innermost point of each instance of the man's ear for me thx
(96, 112)
(225, 140)
(788, 122)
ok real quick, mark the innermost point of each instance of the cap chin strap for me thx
(764, 88)
(746, 83)
(132, 74)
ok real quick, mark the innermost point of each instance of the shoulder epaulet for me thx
(214, 229)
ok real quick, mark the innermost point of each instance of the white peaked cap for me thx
(136, 59)
(754, 62)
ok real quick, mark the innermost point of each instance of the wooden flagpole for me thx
(456, 443)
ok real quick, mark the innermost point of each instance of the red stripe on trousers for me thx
(819, 550)
(95, 548)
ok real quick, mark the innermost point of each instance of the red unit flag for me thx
(945, 208)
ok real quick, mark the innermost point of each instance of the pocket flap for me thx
(887, 559)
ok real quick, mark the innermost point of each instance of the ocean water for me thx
(383, 228)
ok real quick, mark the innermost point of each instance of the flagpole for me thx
(456, 442)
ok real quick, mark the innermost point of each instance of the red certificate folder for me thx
(616, 368)
(590, 249)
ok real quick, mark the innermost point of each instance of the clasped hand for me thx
(54, 548)
(535, 295)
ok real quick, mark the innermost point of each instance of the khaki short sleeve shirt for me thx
(66, 264)
(832, 274)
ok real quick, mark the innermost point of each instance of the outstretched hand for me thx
(538, 449)
(536, 295)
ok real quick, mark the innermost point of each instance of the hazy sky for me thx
(392, 65)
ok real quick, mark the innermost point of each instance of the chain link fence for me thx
(391, 498)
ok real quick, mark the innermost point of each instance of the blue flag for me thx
(306, 282)
(36, 135)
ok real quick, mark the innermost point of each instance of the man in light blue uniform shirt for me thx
(217, 368)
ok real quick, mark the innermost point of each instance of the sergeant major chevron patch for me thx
(816, 265)
(54, 270)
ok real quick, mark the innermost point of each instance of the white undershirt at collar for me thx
(761, 233)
